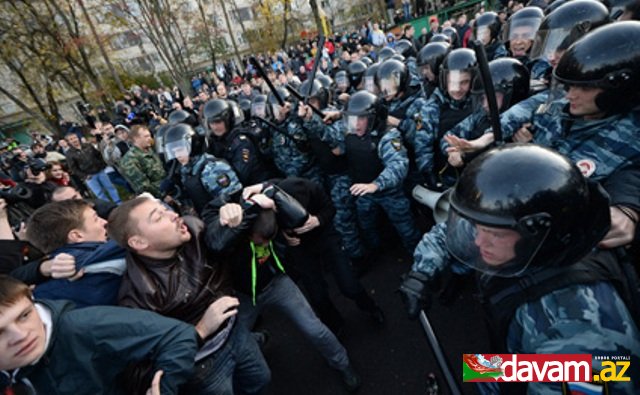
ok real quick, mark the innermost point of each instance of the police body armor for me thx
(325, 159)
(449, 117)
(364, 165)
(196, 192)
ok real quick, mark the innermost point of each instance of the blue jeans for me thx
(99, 183)
(237, 368)
(284, 295)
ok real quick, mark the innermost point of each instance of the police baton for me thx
(314, 71)
(263, 75)
(485, 74)
(437, 351)
(299, 96)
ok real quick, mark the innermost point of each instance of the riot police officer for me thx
(377, 164)
(203, 177)
(229, 142)
(529, 235)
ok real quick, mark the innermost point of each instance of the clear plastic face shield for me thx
(550, 44)
(342, 82)
(521, 34)
(480, 102)
(259, 110)
(179, 150)
(483, 33)
(427, 73)
(458, 83)
(159, 143)
(496, 251)
(357, 124)
(370, 84)
(390, 86)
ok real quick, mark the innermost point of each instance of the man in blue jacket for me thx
(73, 227)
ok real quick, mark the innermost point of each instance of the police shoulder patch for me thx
(223, 180)
(396, 144)
(245, 155)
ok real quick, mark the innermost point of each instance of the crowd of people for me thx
(202, 209)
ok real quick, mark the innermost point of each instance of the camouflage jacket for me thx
(143, 170)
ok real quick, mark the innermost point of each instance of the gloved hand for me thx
(413, 292)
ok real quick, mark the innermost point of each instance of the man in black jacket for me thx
(243, 234)
(50, 347)
(86, 163)
(315, 245)
(170, 272)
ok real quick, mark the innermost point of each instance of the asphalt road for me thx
(394, 358)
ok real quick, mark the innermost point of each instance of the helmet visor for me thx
(390, 85)
(357, 124)
(480, 103)
(180, 149)
(370, 84)
(550, 44)
(342, 82)
(522, 29)
(483, 33)
(159, 143)
(259, 110)
(458, 83)
(497, 251)
(427, 73)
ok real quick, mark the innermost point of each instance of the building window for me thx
(243, 14)
(125, 40)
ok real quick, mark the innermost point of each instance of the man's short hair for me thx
(406, 27)
(59, 190)
(135, 131)
(12, 290)
(49, 226)
(266, 225)
(120, 226)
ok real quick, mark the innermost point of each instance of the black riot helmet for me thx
(370, 83)
(363, 104)
(510, 82)
(328, 85)
(245, 107)
(452, 33)
(218, 110)
(385, 53)
(521, 28)
(366, 60)
(430, 58)
(405, 48)
(317, 91)
(541, 212)
(458, 71)
(392, 78)
(565, 25)
(260, 108)
(617, 7)
(238, 114)
(182, 116)
(182, 142)
(355, 71)
(487, 27)
(440, 38)
(342, 81)
(607, 58)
